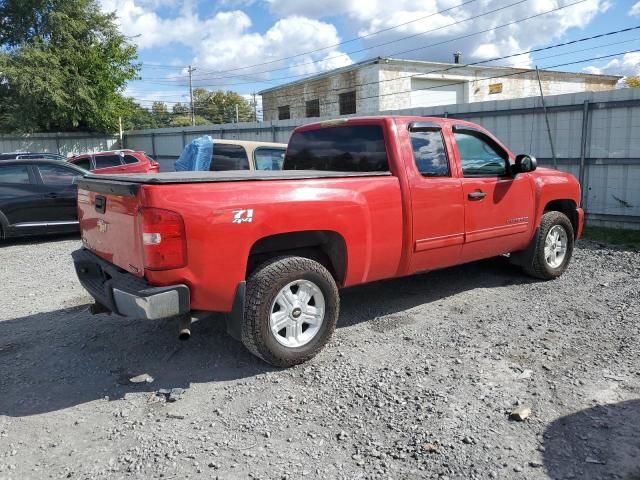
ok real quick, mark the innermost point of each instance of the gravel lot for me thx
(418, 382)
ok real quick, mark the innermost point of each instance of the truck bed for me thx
(230, 176)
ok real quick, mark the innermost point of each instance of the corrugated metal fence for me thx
(64, 143)
(596, 137)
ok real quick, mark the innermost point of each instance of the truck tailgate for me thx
(108, 216)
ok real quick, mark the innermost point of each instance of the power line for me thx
(392, 54)
(361, 37)
(504, 7)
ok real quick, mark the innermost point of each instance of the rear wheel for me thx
(291, 310)
(553, 248)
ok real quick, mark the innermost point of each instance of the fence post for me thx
(273, 132)
(58, 143)
(184, 139)
(583, 150)
(153, 146)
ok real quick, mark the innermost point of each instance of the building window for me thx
(313, 108)
(347, 103)
(284, 113)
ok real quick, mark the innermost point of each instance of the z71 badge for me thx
(243, 216)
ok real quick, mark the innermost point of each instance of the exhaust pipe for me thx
(184, 327)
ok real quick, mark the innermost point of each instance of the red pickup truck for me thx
(358, 200)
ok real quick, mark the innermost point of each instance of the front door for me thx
(437, 205)
(498, 208)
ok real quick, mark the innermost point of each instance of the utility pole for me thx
(193, 114)
(546, 118)
(255, 108)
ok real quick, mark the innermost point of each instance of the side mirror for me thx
(525, 163)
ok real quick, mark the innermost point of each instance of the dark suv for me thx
(37, 196)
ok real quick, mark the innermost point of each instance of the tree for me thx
(632, 82)
(220, 107)
(63, 66)
(161, 114)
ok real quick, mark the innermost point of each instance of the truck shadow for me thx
(54, 360)
(597, 443)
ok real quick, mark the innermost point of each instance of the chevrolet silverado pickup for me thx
(358, 200)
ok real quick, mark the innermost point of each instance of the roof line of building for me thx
(399, 61)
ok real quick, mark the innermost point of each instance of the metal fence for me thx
(64, 143)
(596, 137)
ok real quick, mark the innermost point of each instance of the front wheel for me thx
(553, 247)
(291, 310)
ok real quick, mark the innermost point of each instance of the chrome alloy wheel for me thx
(555, 246)
(297, 313)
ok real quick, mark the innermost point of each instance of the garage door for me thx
(427, 93)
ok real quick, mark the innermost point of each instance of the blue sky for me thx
(243, 45)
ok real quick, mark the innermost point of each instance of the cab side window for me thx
(429, 153)
(480, 156)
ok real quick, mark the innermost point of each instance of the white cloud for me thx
(224, 41)
(635, 10)
(629, 65)
(375, 15)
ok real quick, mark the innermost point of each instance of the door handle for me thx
(51, 195)
(476, 195)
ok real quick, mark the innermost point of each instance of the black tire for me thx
(538, 266)
(262, 289)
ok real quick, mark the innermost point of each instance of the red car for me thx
(358, 200)
(116, 161)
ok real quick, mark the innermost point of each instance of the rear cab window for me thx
(349, 148)
(228, 157)
(268, 158)
(14, 174)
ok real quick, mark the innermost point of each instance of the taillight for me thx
(163, 239)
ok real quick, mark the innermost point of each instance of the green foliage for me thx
(63, 66)
(220, 107)
(632, 82)
(624, 238)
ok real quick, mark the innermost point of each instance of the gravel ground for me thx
(418, 382)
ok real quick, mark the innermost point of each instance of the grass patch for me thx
(613, 236)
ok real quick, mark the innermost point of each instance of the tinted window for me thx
(14, 174)
(358, 148)
(83, 163)
(229, 157)
(480, 156)
(104, 161)
(129, 159)
(55, 175)
(269, 158)
(429, 153)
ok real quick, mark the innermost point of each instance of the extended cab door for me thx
(437, 205)
(498, 208)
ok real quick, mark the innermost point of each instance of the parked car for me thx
(116, 161)
(247, 155)
(358, 200)
(37, 196)
(27, 155)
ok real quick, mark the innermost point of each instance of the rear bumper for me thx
(127, 295)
